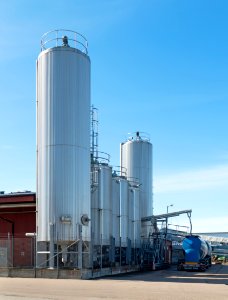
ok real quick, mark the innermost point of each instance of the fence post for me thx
(9, 250)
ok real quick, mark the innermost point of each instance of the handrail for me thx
(119, 171)
(101, 157)
(137, 136)
(134, 181)
(49, 41)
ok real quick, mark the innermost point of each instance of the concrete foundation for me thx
(65, 273)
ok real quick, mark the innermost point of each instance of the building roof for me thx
(18, 199)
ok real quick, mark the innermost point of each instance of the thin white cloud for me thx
(198, 179)
(212, 224)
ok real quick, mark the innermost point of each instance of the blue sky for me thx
(158, 66)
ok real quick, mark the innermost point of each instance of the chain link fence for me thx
(18, 252)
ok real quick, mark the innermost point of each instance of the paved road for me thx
(163, 285)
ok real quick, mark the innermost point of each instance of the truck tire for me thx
(179, 268)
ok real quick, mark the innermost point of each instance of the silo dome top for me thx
(64, 38)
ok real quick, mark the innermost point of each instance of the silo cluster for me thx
(83, 202)
(120, 197)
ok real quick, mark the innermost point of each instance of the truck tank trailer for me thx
(197, 254)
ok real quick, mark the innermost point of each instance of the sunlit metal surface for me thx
(63, 142)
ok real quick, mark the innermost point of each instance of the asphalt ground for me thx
(163, 284)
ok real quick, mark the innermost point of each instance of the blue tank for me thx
(197, 254)
(195, 248)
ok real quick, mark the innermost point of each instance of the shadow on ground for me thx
(216, 274)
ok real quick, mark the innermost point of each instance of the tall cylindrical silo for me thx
(63, 138)
(95, 207)
(105, 202)
(124, 211)
(134, 202)
(131, 216)
(116, 211)
(136, 157)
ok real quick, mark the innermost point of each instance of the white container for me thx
(63, 143)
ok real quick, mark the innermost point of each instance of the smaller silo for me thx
(124, 209)
(131, 216)
(105, 202)
(95, 207)
(134, 191)
(116, 210)
(134, 213)
(136, 157)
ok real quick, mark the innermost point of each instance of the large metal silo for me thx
(136, 157)
(63, 138)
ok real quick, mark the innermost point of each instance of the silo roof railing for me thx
(119, 171)
(101, 158)
(134, 182)
(138, 135)
(65, 38)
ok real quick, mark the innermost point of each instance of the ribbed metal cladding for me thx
(63, 143)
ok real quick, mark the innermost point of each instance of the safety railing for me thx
(137, 136)
(64, 38)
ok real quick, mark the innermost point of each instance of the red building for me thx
(17, 217)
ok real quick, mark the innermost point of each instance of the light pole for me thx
(167, 208)
(167, 211)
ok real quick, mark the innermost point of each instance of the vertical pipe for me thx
(36, 265)
(51, 246)
(120, 223)
(101, 252)
(12, 250)
(121, 163)
(35, 252)
(91, 251)
(80, 247)
(8, 248)
(32, 251)
(120, 254)
(57, 258)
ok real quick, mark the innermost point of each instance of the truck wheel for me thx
(179, 268)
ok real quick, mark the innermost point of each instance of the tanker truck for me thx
(197, 254)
